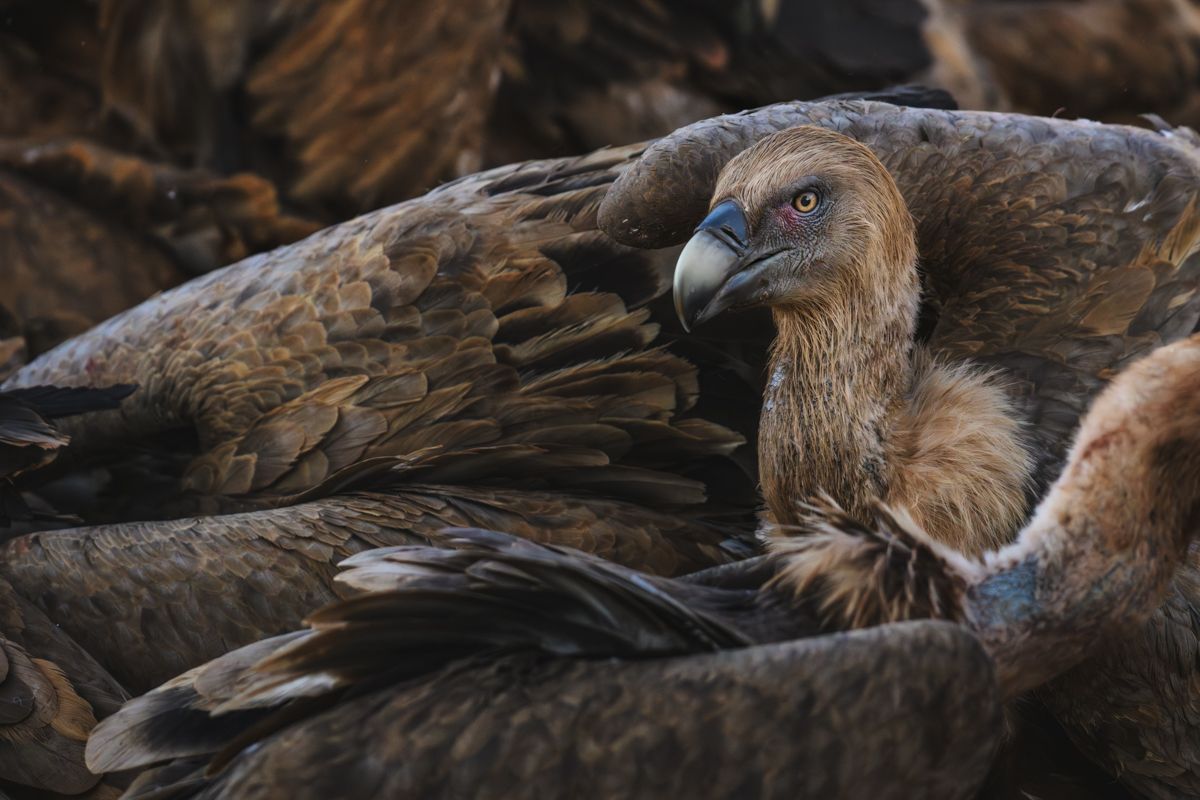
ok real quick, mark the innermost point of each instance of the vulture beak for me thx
(709, 276)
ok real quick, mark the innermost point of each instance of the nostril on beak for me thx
(727, 222)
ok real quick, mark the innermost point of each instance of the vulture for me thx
(810, 223)
(351, 104)
(1053, 253)
(507, 666)
(481, 356)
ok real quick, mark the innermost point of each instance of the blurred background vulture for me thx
(350, 104)
(289, 282)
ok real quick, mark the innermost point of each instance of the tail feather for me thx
(420, 609)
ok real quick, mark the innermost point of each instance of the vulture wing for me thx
(151, 599)
(522, 625)
(481, 356)
(783, 720)
(488, 316)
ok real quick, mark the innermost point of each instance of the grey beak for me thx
(714, 255)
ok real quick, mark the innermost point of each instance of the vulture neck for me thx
(839, 375)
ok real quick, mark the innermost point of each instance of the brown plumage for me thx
(1056, 251)
(479, 356)
(852, 407)
(371, 685)
(1130, 479)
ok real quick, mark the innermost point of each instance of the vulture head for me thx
(803, 218)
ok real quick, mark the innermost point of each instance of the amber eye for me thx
(806, 202)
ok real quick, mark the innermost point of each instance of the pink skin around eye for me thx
(787, 217)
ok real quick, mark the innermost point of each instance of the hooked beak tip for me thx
(679, 312)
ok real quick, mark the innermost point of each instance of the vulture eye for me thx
(806, 202)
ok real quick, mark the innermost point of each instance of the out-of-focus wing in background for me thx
(352, 104)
